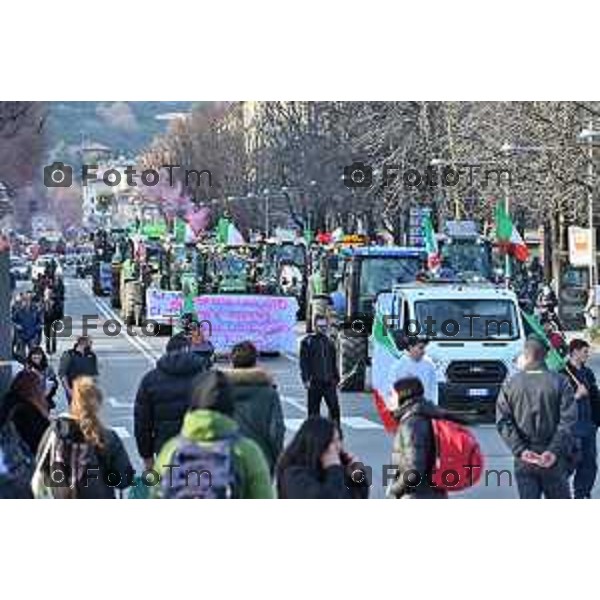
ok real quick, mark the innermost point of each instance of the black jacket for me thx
(536, 411)
(74, 364)
(414, 450)
(30, 423)
(588, 407)
(318, 360)
(163, 399)
(29, 420)
(297, 482)
(258, 410)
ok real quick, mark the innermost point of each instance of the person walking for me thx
(94, 461)
(319, 370)
(164, 395)
(37, 362)
(414, 447)
(587, 398)
(414, 362)
(536, 416)
(257, 406)
(316, 466)
(52, 312)
(210, 443)
(27, 321)
(79, 361)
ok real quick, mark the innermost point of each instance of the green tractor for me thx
(186, 271)
(137, 275)
(363, 274)
(285, 271)
(230, 272)
(101, 267)
(123, 252)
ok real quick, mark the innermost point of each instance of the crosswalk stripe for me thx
(360, 423)
(118, 404)
(122, 432)
(351, 422)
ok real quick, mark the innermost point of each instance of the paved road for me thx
(124, 359)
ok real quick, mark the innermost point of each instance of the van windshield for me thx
(467, 319)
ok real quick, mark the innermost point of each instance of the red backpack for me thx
(459, 461)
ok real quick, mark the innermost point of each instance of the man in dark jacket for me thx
(27, 321)
(257, 407)
(536, 416)
(587, 398)
(164, 397)
(414, 450)
(319, 370)
(79, 361)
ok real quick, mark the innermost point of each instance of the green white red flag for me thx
(431, 245)
(507, 235)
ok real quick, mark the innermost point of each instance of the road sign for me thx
(580, 246)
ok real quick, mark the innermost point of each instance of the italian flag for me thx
(228, 233)
(385, 355)
(431, 245)
(507, 236)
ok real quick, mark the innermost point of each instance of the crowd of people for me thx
(208, 432)
(34, 314)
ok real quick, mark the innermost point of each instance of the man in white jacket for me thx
(415, 363)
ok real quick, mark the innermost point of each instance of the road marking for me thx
(122, 432)
(360, 423)
(297, 403)
(117, 404)
(139, 339)
(289, 356)
(350, 422)
(293, 424)
(150, 357)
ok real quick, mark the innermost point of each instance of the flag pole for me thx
(507, 270)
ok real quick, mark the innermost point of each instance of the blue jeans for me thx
(586, 467)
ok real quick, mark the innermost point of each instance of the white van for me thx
(475, 335)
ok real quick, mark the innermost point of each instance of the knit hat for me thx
(408, 388)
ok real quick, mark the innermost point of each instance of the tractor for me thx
(149, 268)
(465, 253)
(361, 274)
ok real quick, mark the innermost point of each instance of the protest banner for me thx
(266, 321)
(163, 305)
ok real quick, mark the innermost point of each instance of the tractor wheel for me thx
(352, 360)
(128, 305)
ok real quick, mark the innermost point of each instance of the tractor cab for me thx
(465, 253)
(365, 273)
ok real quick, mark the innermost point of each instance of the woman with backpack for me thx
(96, 461)
(210, 458)
(315, 465)
(37, 362)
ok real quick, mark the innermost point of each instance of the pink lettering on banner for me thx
(267, 321)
